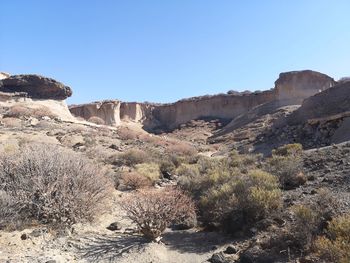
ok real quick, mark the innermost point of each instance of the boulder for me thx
(36, 87)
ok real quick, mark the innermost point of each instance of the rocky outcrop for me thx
(290, 88)
(35, 92)
(4, 75)
(108, 110)
(137, 112)
(36, 87)
(301, 84)
(219, 106)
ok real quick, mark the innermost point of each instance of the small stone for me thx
(230, 250)
(114, 226)
(24, 236)
(218, 258)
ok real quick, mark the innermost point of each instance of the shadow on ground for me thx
(99, 248)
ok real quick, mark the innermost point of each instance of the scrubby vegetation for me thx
(50, 185)
(153, 210)
(334, 246)
(286, 163)
(231, 192)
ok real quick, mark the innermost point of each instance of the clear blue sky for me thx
(165, 50)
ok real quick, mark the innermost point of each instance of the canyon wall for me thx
(108, 111)
(290, 88)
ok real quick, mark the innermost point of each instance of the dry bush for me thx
(154, 210)
(167, 167)
(335, 246)
(130, 157)
(311, 219)
(12, 122)
(149, 170)
(52, 185)
(287, 164)
(181, 148)
(227, 194)
(294, 149)
(126, 133)
(96, 120)
(134, 181)
(18, 111)
(241, 199)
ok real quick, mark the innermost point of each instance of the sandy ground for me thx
(95, 243)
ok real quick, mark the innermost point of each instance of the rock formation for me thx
(290, 88)
(35, 92)
(36, 87)
(108, 110)
(331, 102)
(301, 84)
(4, 75)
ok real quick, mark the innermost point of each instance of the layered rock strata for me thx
(290, 88)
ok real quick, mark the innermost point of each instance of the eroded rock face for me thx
(133, 111)
(219, 106)
(108, 110)
(301, 84)
(36, 87)
(290, 88)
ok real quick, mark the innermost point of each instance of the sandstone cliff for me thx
(290, 88)
(108, 110)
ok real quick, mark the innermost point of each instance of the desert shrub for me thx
(294, 149)
(52, 185)
(96, 120)
(12, 122)
(181, 148)
(305, 226)
(244, 162)
(335, 245)
(148, 170)
(126, 133)
(18, 111)
(134, 180)
(167, 168)
(252, 196)
(153, 210)
(131, 157)
(287, 164)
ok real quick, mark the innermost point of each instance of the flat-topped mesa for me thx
(35, 92)
(108, 111)
(301, 84)
(36, 87)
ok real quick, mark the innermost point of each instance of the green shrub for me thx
(167, 167)
(289, 170)
(294, 149)
(335, 246)
(131, 157)
(149, 170)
